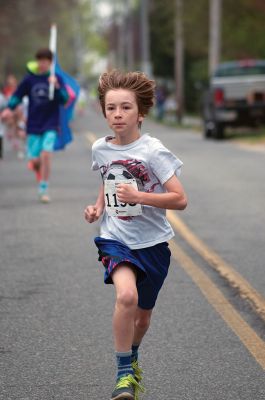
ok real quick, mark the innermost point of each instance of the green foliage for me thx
(242, 37)
(243, 29)
(195, 23)
(195, 26)
(25, 27)
(162, 37)
(83, 35)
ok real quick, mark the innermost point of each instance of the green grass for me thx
(247, 135)
(175, 124)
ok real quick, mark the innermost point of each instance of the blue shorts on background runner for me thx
(151, 264)
(38, 143)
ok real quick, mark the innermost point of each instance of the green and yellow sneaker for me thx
(127, 388)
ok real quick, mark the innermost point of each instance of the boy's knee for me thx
(142, 322)
(127, 298)
(45, 155)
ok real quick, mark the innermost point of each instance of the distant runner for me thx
(15, 125)
(43, 116)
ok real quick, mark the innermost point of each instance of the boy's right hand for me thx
(6, 114)
(92, 213)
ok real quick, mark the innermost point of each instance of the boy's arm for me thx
(17, 96)
(174, 199)
(16, 99)
(93, 212)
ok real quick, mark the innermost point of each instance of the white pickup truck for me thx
(235, 97)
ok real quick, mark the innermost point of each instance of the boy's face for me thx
(122, 112)
(44, 65)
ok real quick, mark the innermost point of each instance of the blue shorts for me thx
(151, 264)
(38, 143)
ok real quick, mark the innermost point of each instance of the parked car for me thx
(235, 97)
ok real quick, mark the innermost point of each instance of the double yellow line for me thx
(226, 271)
(254, 344)
(91, 137)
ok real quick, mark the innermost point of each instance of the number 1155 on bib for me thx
(115, 208)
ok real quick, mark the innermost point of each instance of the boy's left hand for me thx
(126, 193)
(53, 79)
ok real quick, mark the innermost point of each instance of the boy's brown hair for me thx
(44, 53)
(137, 82)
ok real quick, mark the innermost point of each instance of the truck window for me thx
(240, 71)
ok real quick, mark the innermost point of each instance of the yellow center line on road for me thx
(91, 137)
(246, 334)
(244, 288)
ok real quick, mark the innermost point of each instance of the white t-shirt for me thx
(151, 164)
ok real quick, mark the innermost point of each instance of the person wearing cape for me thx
(48, 119)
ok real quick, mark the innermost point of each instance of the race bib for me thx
(115, 208)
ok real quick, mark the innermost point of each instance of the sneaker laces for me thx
(127, 381)
(137, 371)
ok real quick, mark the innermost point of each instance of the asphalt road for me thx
(55, 312)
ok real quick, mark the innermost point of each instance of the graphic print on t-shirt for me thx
(40, 93)
(130, 172)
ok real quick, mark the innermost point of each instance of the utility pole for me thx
(78, 44)
(121, 33)
(145, 38)
(215, 34)
(129, 35)
(179, 59)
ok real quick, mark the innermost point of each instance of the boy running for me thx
(43, 116)
(139, 183)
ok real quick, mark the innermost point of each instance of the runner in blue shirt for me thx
(43, 115)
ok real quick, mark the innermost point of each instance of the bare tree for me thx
(215, 34)
(129, 35)
(179, 59)
(145, 38)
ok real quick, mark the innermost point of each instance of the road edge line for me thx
(254, 344)
(246, 291)
(91, 137)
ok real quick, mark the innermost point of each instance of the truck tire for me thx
(218, 132)
(207, 132)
